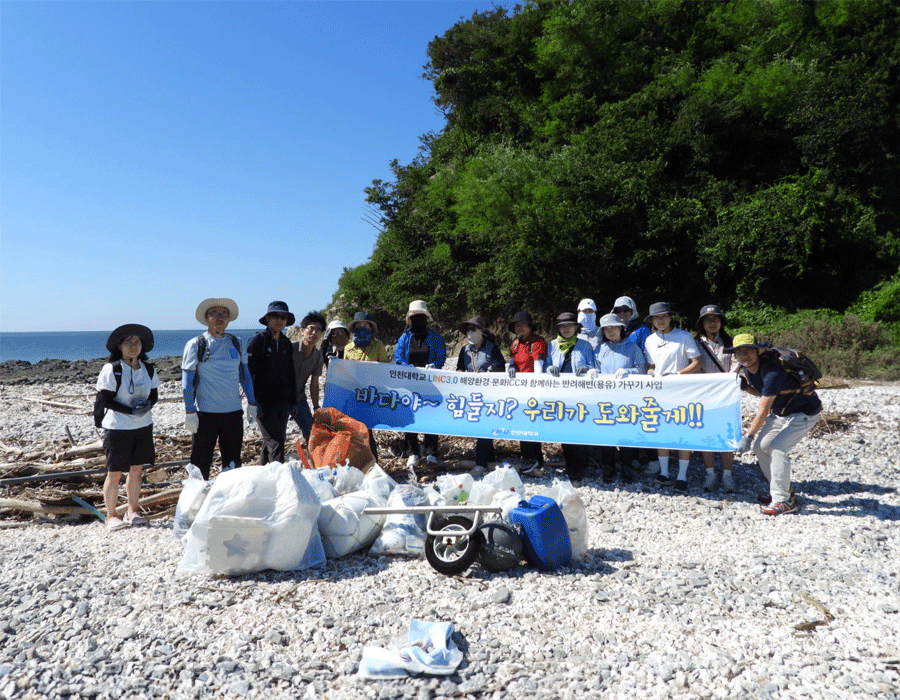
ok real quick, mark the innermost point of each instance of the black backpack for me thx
(100, 403)
(798, 366)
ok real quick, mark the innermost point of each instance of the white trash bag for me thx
(403, 533)
(507, 479)
(255, 518)
(343, 525)
(573, 511)
(193, 493)
(454, 488)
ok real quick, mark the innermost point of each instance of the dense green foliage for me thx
(739, 152)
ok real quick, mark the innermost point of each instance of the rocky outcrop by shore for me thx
(73, 371)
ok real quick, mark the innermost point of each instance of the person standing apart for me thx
(785, 415)
(308, 365)
(420, 346)
(128, 387)
(712, 340)
(670, 350)
(527, 353)
(213, 371)
(271, 364)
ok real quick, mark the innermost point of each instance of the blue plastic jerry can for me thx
(546, 536)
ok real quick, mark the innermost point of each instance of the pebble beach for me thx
(679, 596)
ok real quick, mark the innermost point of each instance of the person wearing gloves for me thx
(571, 354)
(365, 346)
(420, 346)
(308, 366)
(620, 357)
(527, 353)
(128, 388)
(587, 317)
(670, 350)
(271, 365)
(712, 340)
(213, 370)
(337, 336)
(784, 416)
(626, 310)
(480, 354)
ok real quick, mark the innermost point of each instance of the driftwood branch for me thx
(55, 404)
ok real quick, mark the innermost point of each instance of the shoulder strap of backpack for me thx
(709, 352)
(117, 373)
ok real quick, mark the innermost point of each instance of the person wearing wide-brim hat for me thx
(420, 346)
(527, 353)
(571, 354)
(774, 431)
(480, 354)
(670, 350)
(127, 387)
(711, 341)
(364, 346)
(213, 372)
(271, 365)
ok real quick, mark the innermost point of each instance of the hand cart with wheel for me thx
(453, 540)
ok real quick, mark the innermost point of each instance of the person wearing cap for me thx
(571, 354)
(617, 356)
(670, 350)
(712, 340)
(635, 330)
(213, 372)
(308, 365)
(784, 416)
(420, 346)
(527, 353)
(364, 346)
(587, 317)
(480, 354)
(271, 365)
(128, 388)
(336, 339)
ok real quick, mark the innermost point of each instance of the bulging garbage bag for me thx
(344, 527)
(193, 493)
(403, 533)
(573, 511)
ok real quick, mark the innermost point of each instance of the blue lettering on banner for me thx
(471, 407)
(391, 399)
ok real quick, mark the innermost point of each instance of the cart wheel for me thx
(453, 555)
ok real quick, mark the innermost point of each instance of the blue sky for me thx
(153, 154)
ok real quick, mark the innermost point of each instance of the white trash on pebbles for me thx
(696, 596)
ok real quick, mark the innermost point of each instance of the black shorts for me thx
(125, 448)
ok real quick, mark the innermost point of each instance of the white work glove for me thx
(744, 445)
(511, 371)
(251, 413)
(623, 372)
(538, 366)
(553, 370)
(430, 366)
(592, 373)
(191, 422)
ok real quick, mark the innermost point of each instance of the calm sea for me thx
(88, 345)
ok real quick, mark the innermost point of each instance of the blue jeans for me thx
(302, 416)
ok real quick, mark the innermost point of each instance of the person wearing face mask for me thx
(420, 346)
(635, 330)
(571, 354)
(364, 346)
(587, 317)
(480, 354)
(527, 353)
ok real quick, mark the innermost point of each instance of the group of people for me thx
(273, 372)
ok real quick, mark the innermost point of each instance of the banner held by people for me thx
(690, 412)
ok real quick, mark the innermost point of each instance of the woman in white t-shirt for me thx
(670, 350)
(128, 387)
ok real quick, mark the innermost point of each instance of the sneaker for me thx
(532, 469)
(412, 461)
(765, 498)
(136, 520)
(661, 480)
(728, 482)
(609, 474)
(477, 472)
(115, 524)
(652, 468)
(710, 482)
(627, 474)
(680, 486)
(431, 459)
(779, 508)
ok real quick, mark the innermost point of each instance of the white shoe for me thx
(115, 524)
(652, 468)
(710, 481)
(431, 459)
(412, 461)
(728, 483)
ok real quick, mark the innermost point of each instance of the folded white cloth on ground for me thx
(429, 649)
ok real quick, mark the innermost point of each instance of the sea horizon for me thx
(34, 346)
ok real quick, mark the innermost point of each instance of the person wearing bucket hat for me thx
(420, 346)
(127, 389)
(337, 337)
(617, 356)
(587, 317)
(773, 431)
(635, 330)
(271, 365)
(213, 372)
(712, 340)
(480, 354)
(670, 350)
(308, 365)
(365, 347)
(527, 353)
(571, 354)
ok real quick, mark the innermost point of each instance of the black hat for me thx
(278, 307)
(658, 309)
(122, 332)
(567, 317)
(476, 321)
(709, 310)
(522, 317)
(363, 316)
